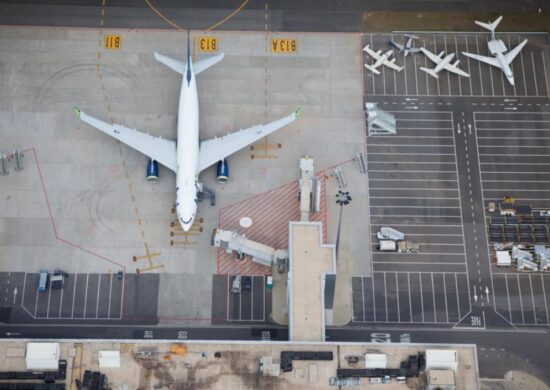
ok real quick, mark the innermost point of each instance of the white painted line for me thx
(421, 296)
(413, 189)
(363, 298)
(415, 76)
(516, 181)
(534, 73)
(508, 296)
(544, 73)
(409, 137)
(515, 93)
(515, 163)
(386, 297)
(263, 297)
(445, 295)
(544, 295)
(523, 71)
(98, 289)
(86, 295)
(419, 207)
(420, 262)
(425, 74)
(23, 292)
(526, 155)
(371, 74)
(241, 305)
(36, 300)
(459, 79)
(252, 299)
(457, 297)
(479, 67)
(415, 215)
(520, 299)
(373, 299)
(61, 298)
(435, 51)
(533, 300)
(433, 296)
(74, 295)
(48, 306)
(421, 225)
(491, 74)
(406, 171)
(410, 303)
(397, 293)
(408, 154)
(506, 137)
(417, 197)
(110, 296)
(469, 70)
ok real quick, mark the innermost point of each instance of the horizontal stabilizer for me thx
(176, 65)
(201, 65)
(372, 69)
(430, 72)
(490, 26)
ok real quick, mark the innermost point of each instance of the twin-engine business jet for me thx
(406, 47)
(188, 157)
(381, 59)
(442, 61)
(501, 59)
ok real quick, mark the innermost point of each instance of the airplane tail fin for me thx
(430, 72)
(372, 69)
(490, 26)
(182, 68)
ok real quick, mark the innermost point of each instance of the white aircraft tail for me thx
(490, 26)
(430, 72)
(196, 67)
(372, 69)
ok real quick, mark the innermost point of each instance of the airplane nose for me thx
(186, 226)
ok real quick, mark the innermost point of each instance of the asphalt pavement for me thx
(283, 15)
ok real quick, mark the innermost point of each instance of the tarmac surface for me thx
(282, 15)
(445, 149)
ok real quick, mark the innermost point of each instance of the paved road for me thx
(283, 15)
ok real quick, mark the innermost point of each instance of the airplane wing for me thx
(457, 70)
(398, 46)
(156, 148)
(216, 149)
(430, 55)
(392, 65)
(488, 60)
(371, 52)
(509, 57)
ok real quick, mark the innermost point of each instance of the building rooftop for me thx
(309, 262)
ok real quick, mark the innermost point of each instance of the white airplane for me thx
(442, 61)
(498, 50)
(407, 46)
(187, 157)
(381, 59)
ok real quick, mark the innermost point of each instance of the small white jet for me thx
(501, 59)
(407, 47)
(381, 59)
(187, 157)
(442, 61)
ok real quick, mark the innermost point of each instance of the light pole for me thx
(342, 199)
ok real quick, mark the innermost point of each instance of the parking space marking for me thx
(520, 299)
(544, 295)
(532, 298)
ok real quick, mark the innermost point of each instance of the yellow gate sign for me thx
(208, 44)
(283, 45)
(113, 42)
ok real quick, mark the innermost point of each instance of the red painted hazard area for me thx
(270, 211)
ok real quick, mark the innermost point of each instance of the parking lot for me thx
(413, 187)
(83, 296)
(529, 67)
(89, 296)
(514, 159)
(248, 305)
(522, 299)
(411, 297)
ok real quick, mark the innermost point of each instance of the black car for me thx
(247, 283)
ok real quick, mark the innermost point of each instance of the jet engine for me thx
(152, 171)
(222, 171)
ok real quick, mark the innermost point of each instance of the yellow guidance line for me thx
(176, 26)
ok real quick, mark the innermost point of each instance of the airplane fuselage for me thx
(444, 62)
(505, 67)
(187, 152)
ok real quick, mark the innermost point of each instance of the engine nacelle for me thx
(222, 171)
(152, 171)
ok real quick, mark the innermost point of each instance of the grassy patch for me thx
(386, 21)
